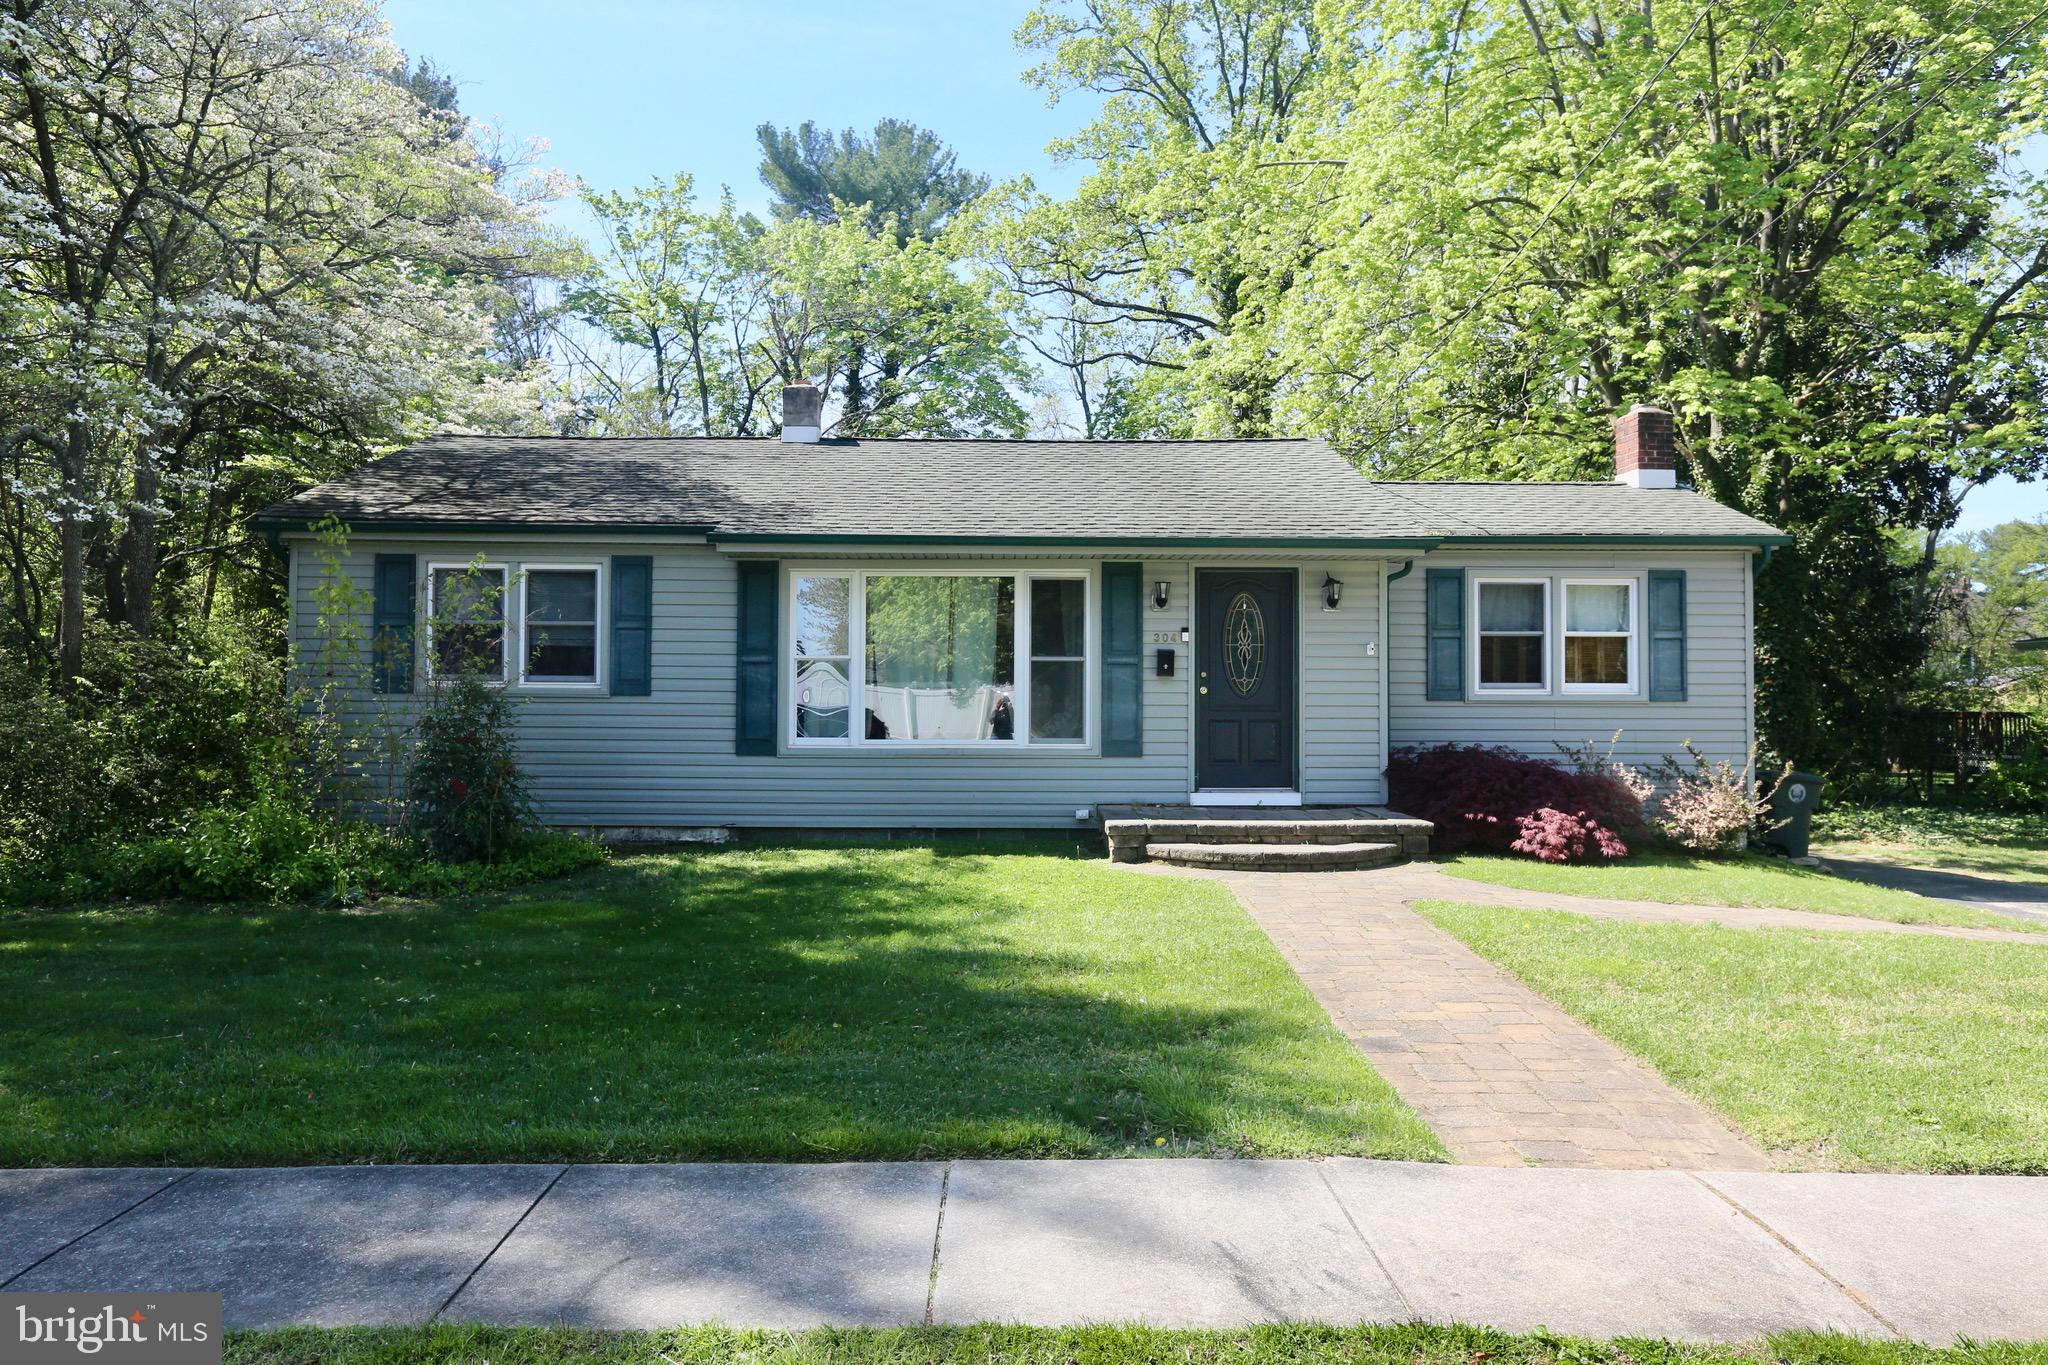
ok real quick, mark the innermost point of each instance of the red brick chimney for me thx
(1645, 448)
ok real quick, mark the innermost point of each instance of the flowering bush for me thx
(1588, 761)
(1477, 796)
(1708, 806)
(466, 796)
(1555, 836)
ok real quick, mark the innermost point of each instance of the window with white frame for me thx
(1512, 618)
(1599, 635)
(466, 620)
(560, 619)
(1059, 659)
(903, 658)
(824, 632)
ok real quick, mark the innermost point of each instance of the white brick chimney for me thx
(1645, 448)
(803, 412)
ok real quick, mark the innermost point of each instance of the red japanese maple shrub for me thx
(1477, 795)
(1555, 836)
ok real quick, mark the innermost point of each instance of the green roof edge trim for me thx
(1105, 542)
(289, 525)
(1759, 540)
(279, 526)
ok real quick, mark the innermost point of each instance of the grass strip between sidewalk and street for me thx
(1294, 1344)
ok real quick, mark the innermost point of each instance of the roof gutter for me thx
(1755, 540)
(281, 526)
(429, 526)
(1102, 542)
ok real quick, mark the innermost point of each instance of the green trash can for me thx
(1792, 806)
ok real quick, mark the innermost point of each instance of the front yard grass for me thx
(1293, 1344)
(1846, 1050)
(1743, 879)
(812, 1003)
(2010, 845)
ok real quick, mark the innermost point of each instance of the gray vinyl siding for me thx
(1716, 714)
(666, 759)
(1341, 762)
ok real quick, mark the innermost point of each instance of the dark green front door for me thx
(1244, 679)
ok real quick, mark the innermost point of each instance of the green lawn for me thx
(1747, 879)
(2004, 844)
(1886, 1051)
(1109, 1345)
(813, 1003)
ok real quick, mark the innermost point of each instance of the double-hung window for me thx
(1599, 635)
(902, 658)
(1513, 618)
(1552, 637)
(466, 632)
(561, 625)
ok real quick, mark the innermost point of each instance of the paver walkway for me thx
(1173, 1242)
(1504, 1077)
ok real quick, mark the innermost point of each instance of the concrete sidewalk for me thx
(1171, 1242)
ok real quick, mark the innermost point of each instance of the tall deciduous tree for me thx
(1992, 592)
(671, 298)
(233, 236)
(1165, 261)
(1800, 227)
(694, 319)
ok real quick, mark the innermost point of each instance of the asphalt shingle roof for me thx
(1283, 491)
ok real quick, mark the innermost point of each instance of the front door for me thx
(1244, 679)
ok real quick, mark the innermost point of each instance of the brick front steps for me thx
(1263, 838)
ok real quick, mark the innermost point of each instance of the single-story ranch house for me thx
(806, 632)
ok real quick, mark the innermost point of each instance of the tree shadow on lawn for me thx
(789, 1003)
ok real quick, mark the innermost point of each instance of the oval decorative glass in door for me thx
(1244, 643)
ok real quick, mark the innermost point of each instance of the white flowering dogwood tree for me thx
(236, 248)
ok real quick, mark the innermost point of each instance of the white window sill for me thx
(1046, 749)
(1533, 695)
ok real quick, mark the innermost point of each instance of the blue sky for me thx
(624, 92)
(627, 91)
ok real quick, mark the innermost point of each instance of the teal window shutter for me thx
(758, 663)
(1667, 634)
(632, 625)
(1123, 648)
(396, 592)
(1445, 680)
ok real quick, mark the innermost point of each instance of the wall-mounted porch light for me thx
(1333, 592)
(1160, 592)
